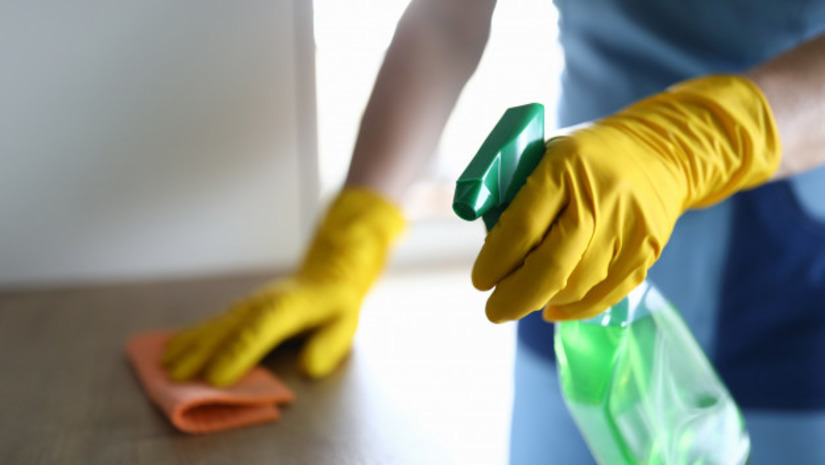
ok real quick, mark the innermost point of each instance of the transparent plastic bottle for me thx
(642, 391)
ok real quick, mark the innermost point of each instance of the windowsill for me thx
(438, 358)
(436, 236)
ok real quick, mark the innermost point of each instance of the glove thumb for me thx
(328, 346)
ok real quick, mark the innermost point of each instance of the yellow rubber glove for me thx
(600, 207)
(324, 295)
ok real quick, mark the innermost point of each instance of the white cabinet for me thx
(153, 138)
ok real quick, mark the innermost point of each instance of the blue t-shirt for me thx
(747, 274)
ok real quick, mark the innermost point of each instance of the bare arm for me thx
(436, 48)
(794, 84)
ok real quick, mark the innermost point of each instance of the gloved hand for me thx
(324, 296)
(600, 207)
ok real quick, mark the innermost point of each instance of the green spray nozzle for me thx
(501, 165)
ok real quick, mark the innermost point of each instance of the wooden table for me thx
(68, 396)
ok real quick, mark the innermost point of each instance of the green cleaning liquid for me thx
(642, 391)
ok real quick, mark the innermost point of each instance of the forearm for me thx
(435, 50)
(794, 86)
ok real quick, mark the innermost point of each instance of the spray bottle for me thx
(638, 385)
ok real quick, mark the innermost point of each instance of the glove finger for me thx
(190, 352)
(593, 268)
(178, 345)
(545, 270)
(190, 362)
(328, 346)
(254, 337)
(627, 275)
(184, 340)
(522, 225)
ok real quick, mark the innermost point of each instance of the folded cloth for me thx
(196, 407)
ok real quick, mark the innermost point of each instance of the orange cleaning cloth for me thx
(196, 407)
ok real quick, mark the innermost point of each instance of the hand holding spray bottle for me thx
(636, 382)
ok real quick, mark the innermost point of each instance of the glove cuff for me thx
(353, 241)
(734, 122)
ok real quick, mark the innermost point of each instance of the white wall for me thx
(149, 138)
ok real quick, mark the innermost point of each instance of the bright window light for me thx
(521, 65)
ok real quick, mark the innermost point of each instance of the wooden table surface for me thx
(68, 395)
